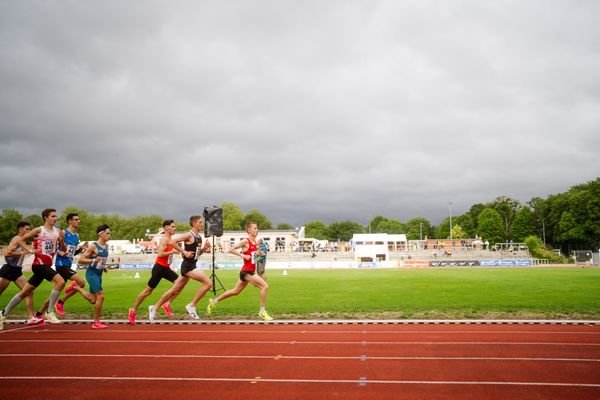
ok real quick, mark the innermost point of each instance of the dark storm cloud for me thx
(335, 110)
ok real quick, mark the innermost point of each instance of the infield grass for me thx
(465, 293)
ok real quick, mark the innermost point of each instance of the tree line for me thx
(569, 221)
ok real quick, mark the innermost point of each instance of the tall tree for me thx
(507, 208)
(490, 226)
(233, 217)
(524, 225)
(316, 230)
(391, 226)
(284, 227)
(343, 231)
(261, 220)
(8, 224)
(418, 228)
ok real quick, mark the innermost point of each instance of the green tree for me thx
(524, 225)
(391, 226)
(8, 224)
(284, 227)
(88, 222)
(507, 208)
(35, 220)
(417, 228)
(442, 231)
(467, 225)
(261, 220)
(491, 226)
(316, 229)
(373, 226)
(343, 231)
(233, 217)
(474, 212)
(458, 232)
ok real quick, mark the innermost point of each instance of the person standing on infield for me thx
(95, 257)
(162, 269)
(64, 263)
(192, 243)
(247, 250)
(45, 245)
(12, 271)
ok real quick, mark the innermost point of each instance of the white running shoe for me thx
(51, 317)
(192, 311)
(36, 321)
(151, 313)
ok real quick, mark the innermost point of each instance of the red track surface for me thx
(301, 362)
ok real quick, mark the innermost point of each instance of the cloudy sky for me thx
(304, 110)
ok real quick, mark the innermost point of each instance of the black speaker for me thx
(213, 221)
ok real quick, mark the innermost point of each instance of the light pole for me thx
(450, 205)
(420, 231)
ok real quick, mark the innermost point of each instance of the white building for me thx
(370, 247)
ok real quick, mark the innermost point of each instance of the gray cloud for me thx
(335, 110)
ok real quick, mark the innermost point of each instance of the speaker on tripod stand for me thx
(213, 226)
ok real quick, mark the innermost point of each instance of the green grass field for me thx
(468, 293)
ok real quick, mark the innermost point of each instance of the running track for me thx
(301, 361)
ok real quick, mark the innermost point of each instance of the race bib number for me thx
(170, 259)
(71, 251)
(101, 264)
(48, 247)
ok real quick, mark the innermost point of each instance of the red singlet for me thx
(46, 244)
(166, 260)
(250, 265)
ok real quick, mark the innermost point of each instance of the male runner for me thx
(95, 258)
(12, 271)
(192, 243)
(64, 262)
(248, 253)
(45, 246)
(162, 269)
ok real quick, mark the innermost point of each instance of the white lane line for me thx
(294, 342)
(308, 357)
(325, 332)
(268, 380)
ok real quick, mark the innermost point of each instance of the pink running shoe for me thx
(167, 308)
(70, 288)
(132, 316)
(99, 325)
(60, 310)
(36, 321)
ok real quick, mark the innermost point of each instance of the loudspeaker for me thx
(213, 221)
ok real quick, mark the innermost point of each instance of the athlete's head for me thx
(49, 213)
(168, 225)
(103, 232)
(23, 227)
(252, 228)
(195, 218)
(73, 219)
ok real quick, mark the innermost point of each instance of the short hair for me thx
(70, 216)
(21, 224)
(248, 223)
(102, 228)
(194, 218)
(47, 212)
(167, 222)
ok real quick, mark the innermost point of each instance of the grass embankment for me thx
(468, 293)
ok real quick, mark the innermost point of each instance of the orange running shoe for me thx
(167, 308)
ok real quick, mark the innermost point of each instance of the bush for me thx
(537, 250)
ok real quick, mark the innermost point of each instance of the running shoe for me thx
(71, 287)
(167, 308)
(151, 314)
(264, 315)
(99, 325)
(211, 306)
(60, 308)
(51, 317)
(192, 311)
(36, 321)
(132, 316)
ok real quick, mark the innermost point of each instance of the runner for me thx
(95, 258)
(45, 245)
(247, 274)
(12, 271)
(64, 262)
(162, 269)
(192, 243)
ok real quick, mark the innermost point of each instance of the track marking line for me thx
(295, 342)
(307, 357)
(271, 380)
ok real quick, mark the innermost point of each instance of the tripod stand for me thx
(213, 276)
